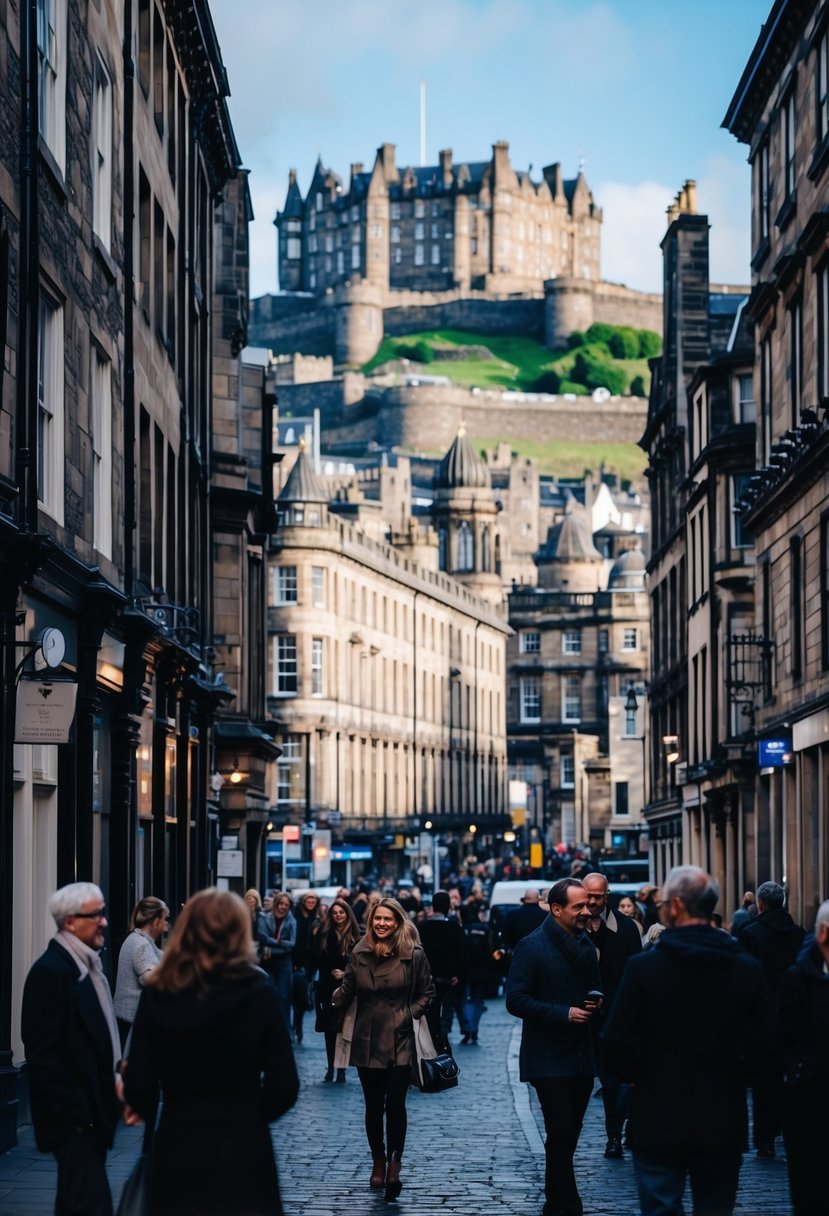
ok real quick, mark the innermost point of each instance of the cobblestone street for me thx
(476, 1149)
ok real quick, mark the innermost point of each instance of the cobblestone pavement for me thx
(476, 1149)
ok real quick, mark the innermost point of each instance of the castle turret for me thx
(290, 250)
(568, 560)
(465, 514)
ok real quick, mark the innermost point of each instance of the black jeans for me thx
(83, 1188)
(615, 1095)
(660, 1180)
(440, 1014)
(384, 1090)
(563, 1103)
(804, 1137)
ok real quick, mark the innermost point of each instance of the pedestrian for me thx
(628, 907)
(775, 941)
(523, 920)
(386, 984)
(689, 1021)
(444, 941)
(649, 899)
(803, 1032)
(744, 914)
(73, 1048)
(308, 919)
(479, 958)
(616, 939)
(209, 1037)
(554, 987)
(280, 965)
(332, 950)
(138, 955)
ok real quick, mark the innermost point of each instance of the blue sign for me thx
(351, 853)
(774, 753)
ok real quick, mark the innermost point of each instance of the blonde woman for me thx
(209, 1036)
(387, 982)
(139, 954)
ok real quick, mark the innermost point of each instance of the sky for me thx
(636, 88)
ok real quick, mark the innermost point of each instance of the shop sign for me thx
(45, 711)
(230, 863)
(774, 753)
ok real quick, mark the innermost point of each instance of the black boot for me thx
(393, 1184)
(329, 1074)
(341, 1076)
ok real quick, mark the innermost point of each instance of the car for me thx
(506, 896)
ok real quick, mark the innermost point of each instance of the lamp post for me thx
(632, 708)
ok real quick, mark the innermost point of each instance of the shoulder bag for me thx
(433, 1072)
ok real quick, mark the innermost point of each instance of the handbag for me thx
(434, 1071)
(135, 1195)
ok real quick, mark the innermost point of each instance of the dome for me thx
(462, 468)
(628, 570)
(570, 541)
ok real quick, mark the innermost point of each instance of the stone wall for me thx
(480, 315)
(574, 304)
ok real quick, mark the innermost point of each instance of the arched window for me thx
(442, 549)
(497, 552)
(485, 555)
(466, 560)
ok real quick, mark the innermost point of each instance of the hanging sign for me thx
(45, 711)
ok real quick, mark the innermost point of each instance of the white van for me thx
(505, 897)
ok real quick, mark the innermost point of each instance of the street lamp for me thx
(631, 710)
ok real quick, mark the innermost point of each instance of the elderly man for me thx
(554, 987)
(72, 1051)
(689, 1018)
(616, 938)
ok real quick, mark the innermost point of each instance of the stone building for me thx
(780, 112)
(700, 574)
(481, 225)
(386, 680)
(580, 645)
(111, 192)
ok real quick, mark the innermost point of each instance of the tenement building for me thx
(579, 649)
(479, 224)
(780, 111)
(386, 681)
(115, 154)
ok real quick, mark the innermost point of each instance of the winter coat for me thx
(68, 1053)
(327, 961)
(226, 1070)
(444, 941)
(388, 993)
(689, 1027)
(281, 941)
(803, 1021)
(616, 941)
(521, 922)
(553, 971)
(307, 928)
(775, 941)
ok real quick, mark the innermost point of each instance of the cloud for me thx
(633, 226)
(724, 192)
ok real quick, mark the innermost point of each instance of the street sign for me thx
(335, 817)
(229, 843)
(45, 711)
(230, 863)
(774, 753)
(290, 833)
(309, 828)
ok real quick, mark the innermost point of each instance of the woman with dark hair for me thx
(139, 954)
(208, 1034)
(260, 926)
(387, 983)
(333, 946)
(308, 923)
(283, 938)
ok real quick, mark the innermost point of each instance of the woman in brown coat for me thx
(387, 983)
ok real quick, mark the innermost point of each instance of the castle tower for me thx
(290, 250)
(568, 560)
(465, 515)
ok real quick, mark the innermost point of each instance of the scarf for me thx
(89, 962)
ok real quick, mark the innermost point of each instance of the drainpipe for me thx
(29, 274)
(129, 306)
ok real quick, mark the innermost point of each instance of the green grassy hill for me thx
(516, 362)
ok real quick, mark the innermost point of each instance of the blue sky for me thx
(637, 87)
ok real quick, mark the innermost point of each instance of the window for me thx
(395, 211)
(289, 785)
(50, 422)
(51, 54)
(763, 194)
(419, 209)
(529, 641)
(630, 722)
(765, 400)
(395, 234)
(630, 639)
(796, 359)
(436, 255)
(286, 683)
(317, 667)
(102, 155)
(530, 691)
(465, 553)
(418, 255)
(293, 248)
(796, 606)
(621, 805)
(787, 123)
(285, 590)
(355, 257)
(571, 641)
(740, 538)
(745, 398)
(824, 590)
(318, 586)
(604, 641)
(822, 87)
(823, 331)
(568, 770)
(571, 699)
(101, 427)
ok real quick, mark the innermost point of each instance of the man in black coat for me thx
(523, 920)
(554, 971)
(616, 938)
(72, 1051)
(444, 942)
(689, 1021)
(775, 941)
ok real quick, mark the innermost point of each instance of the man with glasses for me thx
(72, 1051)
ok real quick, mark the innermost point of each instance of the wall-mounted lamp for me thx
(671, 745)
(509, 837)
(472, 829)
(235, 776)
(428, 825)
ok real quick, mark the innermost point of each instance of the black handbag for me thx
(438, 1074)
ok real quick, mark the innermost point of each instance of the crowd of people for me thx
(675, 1015)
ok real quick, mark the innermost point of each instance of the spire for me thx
(303, 484)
